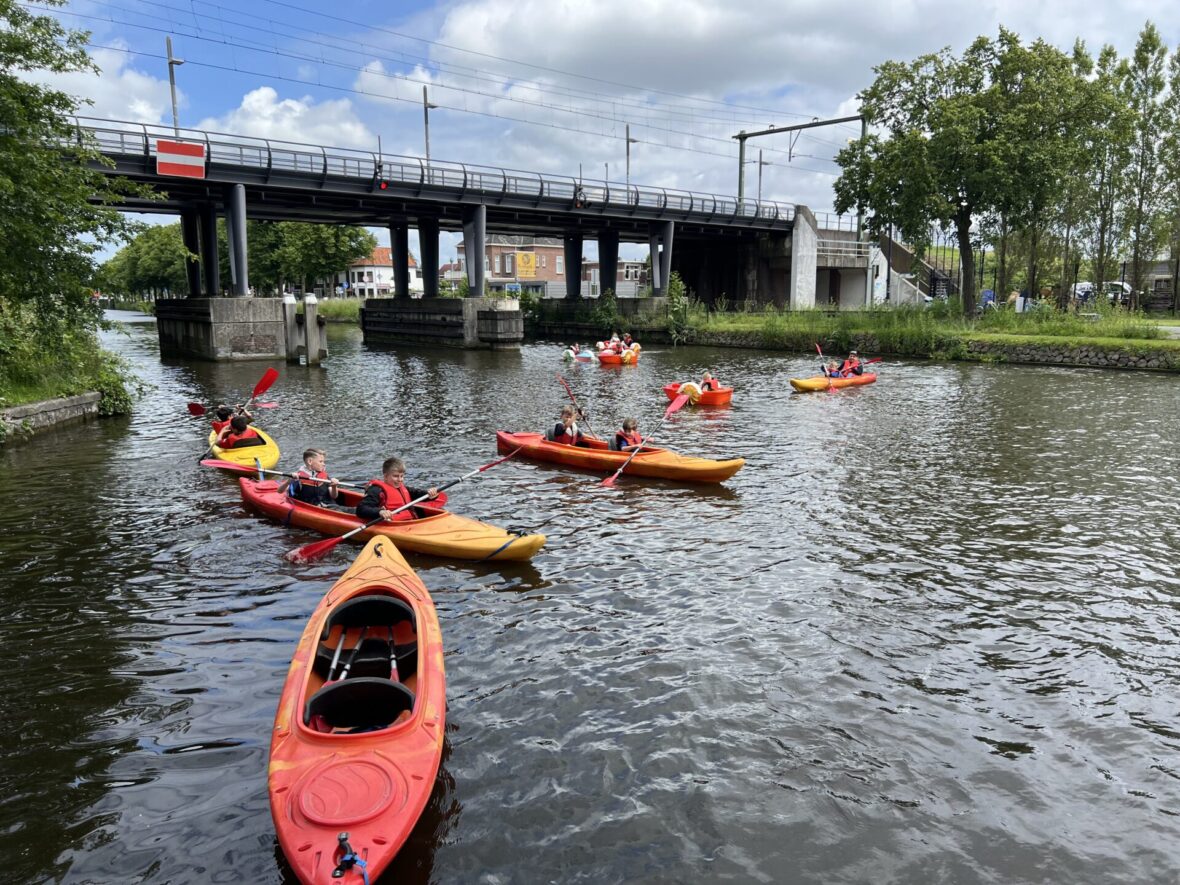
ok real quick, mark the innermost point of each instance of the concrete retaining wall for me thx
(222, 328)
(35, 417)
(491, 323)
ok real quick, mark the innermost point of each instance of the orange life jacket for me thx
(233, 439)
(632, 439)
(393, 497)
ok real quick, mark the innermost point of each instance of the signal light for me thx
(383, 185)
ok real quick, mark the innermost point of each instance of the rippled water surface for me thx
(928, 634)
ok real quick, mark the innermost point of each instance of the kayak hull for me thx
(719, 397)
(626, 358)
(437, 533)
(654, 463)
(268, 453)
(819, 382)
(326, 776)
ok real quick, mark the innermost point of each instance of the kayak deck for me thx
(267, 453)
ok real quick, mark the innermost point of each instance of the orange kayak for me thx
(437, 532)
(720, 396)
(357, 741)
(819, 382)
(626, 358)
(651, 462)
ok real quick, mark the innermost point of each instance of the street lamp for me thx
(630, 141)
(426, 108)
(172, 63)
(761, 163)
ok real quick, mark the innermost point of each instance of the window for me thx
(544, 259)
(1163, 285)
(508, 262)
(497, 262)
(559, 262)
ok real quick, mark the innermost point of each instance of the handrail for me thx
(269, 154)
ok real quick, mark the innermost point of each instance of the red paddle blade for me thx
(196, 409)
(676, 405)
(229, 466)
(269, 377)
(313, 551)
(610, 480)
(266, 405)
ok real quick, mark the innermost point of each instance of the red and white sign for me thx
(180, 158)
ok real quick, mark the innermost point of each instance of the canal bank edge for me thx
(1105, 353)
(25, 420)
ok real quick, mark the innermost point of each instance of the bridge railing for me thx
(119, 138)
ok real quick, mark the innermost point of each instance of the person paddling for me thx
(566, 430)
(315, 467)
(852, 365)
(708, 382)
(239, 435)
(385, 495)
(628, 439)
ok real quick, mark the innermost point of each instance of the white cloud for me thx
(118, 92)
(263, 114)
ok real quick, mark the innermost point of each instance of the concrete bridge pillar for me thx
(573, 265)
(235, 218)
(399, 241)
(804, 259)
(661, 261)
(475, 237)
(428, 245)
(608, 260)
(189, 232)
(210, 259)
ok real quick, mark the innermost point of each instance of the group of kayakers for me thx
(848, 368)
(618, 345)
(566, 431)
(233, 429)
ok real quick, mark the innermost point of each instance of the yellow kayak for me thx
(268, 454)
(819, 382)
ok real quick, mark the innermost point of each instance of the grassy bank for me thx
(44, 357)
(338, 310)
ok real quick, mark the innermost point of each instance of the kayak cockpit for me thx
(365, 667)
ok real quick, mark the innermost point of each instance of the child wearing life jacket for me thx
(320, 494)
(566, 430)
(387, 494)
(221, 421)
(708, 382)
(239, 434)
(628, 439)
(831, 370)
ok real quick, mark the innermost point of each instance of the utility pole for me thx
(172, 63)
(741, 194)
(761, 163)
(630, 141)
(426, 108)
(743, 135)
(860, 210)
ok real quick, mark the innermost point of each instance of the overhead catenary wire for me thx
(366, 70)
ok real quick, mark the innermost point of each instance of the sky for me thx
(551, 85)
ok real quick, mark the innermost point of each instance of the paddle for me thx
(574, 399)
(198, 410)
(827, 375)
(310, 480)
(319, 549)
(675, 406)
(269, 377)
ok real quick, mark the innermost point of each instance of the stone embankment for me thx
(17, 421)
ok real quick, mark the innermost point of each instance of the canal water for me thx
(927, 634)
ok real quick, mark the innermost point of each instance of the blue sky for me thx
(550, 85)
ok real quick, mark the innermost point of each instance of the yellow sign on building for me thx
(526, 265)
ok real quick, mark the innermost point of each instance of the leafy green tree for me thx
(310, 251)
(50, 223)
(1170, 176)
(1144, 82)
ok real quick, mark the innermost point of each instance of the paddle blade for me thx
(196, 409)
(675, 406)
(266, 405)
(610, 480)
(315, 550)
(269, 377)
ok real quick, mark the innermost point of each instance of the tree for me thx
(310, 251)
(56, 206)
(1170, 171)
(1143, 82)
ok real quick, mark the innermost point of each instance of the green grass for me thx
(338, 310)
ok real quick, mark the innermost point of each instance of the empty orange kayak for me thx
(719, 396)
(819, 382)
(358, 734)
(651, 462)
(437, 532)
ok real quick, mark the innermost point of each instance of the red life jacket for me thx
(633, 439)
(711, 384)
(393, 497)
(219, 426)
(234, 438)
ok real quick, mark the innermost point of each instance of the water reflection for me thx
(931, 620)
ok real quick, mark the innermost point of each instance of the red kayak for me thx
(358, 735)
(718, 396)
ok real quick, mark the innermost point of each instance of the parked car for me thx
(1116, 290)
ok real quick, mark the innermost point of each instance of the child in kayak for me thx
(224, 414)
(851, 366)
(708, 382)
(566, 430)
(319, 494)
(628, 439)
(832, 370)
(385, 495)
(239, 435)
